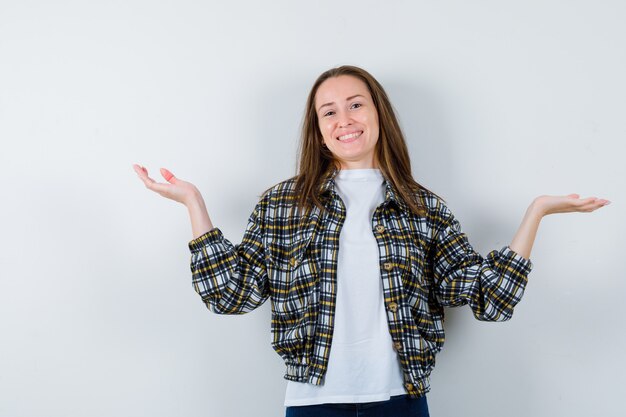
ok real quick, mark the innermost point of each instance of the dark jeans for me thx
(397, 406)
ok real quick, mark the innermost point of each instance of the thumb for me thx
(168, 175)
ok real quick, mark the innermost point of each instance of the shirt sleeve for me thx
(230, 279)
(492, 286)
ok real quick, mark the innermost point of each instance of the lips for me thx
(350, 136)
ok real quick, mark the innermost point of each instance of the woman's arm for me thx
(200, 221)
(494, 284)
(230, 278)
(547, 204)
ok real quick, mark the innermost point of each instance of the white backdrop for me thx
(500, 101)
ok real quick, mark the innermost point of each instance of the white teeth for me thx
(350, 136)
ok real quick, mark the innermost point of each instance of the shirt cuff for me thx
(212, 236)
(522, 264)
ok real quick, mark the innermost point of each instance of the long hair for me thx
(315, 161)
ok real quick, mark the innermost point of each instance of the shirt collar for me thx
(391, 194)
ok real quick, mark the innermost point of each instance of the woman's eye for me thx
(330, 113)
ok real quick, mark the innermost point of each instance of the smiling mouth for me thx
(350, 136)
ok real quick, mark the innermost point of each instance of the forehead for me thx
(339, 88)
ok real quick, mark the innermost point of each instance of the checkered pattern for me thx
(426, 263)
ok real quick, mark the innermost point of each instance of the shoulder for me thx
(280, 190)
(277, 196)
(438, 214)
(434, 204)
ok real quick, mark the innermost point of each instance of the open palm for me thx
(550, 204)
(175, 188)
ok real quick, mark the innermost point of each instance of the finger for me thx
(137, 168)
(142, 173)
(592, 205)
(148, 182)
(167, 175)
(140, 170)
(144, 176)
(601, 202)
(587, 200)
(153, 185)
(159, 187)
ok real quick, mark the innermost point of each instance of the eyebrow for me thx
(331, 103)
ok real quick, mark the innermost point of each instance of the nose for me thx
(344, 119)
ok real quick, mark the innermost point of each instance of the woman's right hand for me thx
(182, 191)
(178, 190)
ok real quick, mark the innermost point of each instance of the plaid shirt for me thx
(426, 264)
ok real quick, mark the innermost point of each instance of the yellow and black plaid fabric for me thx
(426, 263)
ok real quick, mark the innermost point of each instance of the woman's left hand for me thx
(550, 204)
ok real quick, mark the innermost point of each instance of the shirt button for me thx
(409, 386)
(380, 228)
(388, 266)
(293, 261)
(393, 306)
(398, 346)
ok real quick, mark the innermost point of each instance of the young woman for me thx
(358, 259)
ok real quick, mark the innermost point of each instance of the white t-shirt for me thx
(363, 365)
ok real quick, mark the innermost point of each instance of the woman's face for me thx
(348, 121)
